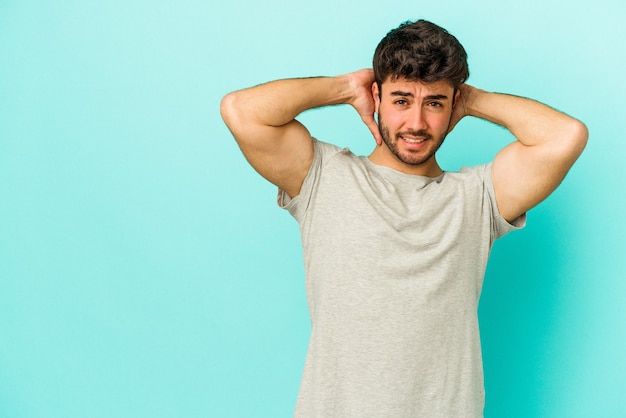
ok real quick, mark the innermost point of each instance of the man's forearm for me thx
(531, 122)
(279, 102)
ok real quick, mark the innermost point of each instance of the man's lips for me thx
(414, 140)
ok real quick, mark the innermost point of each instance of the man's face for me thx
(413, 118)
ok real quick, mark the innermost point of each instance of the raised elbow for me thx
(579, 135)
(569, 142)
(228, 109)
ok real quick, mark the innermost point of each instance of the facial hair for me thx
(410, 157)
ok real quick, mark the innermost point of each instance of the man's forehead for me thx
(403, 85)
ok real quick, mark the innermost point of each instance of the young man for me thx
(395, 249)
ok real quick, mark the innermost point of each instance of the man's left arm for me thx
(548, 143)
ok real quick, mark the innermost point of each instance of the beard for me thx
(411, 157)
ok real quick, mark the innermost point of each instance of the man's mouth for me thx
(413, 140)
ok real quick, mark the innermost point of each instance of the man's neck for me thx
(383, 157)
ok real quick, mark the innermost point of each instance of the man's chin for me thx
(413, 159)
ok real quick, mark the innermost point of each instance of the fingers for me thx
(370, 122)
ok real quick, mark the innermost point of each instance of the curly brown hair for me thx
(420, 51)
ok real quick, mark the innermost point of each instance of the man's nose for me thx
(416, 120)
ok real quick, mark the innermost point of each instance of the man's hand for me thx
(462, 99)
(363, 102)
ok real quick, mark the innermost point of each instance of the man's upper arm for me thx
(281, 154)
(524, 175)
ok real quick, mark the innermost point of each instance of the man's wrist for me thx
(347, 88)
(469, 95)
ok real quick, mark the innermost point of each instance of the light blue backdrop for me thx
(145, 270)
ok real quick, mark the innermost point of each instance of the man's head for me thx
(418, 69)
(420, 51)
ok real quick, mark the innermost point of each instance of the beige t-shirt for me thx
(394, 269)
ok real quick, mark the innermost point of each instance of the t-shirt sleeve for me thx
(298, 205)
(500, 226)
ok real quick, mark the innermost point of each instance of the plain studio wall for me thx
(145, 269)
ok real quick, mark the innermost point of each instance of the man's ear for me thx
(376, 96)
(457, 96)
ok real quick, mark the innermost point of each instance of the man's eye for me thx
(401, 102)
(435, 104)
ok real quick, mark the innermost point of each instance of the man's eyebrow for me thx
(401, 93)
(409, 94)
(436, 97)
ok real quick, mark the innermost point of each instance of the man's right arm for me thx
(262, 120)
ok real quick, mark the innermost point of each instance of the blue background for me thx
(145, 270)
